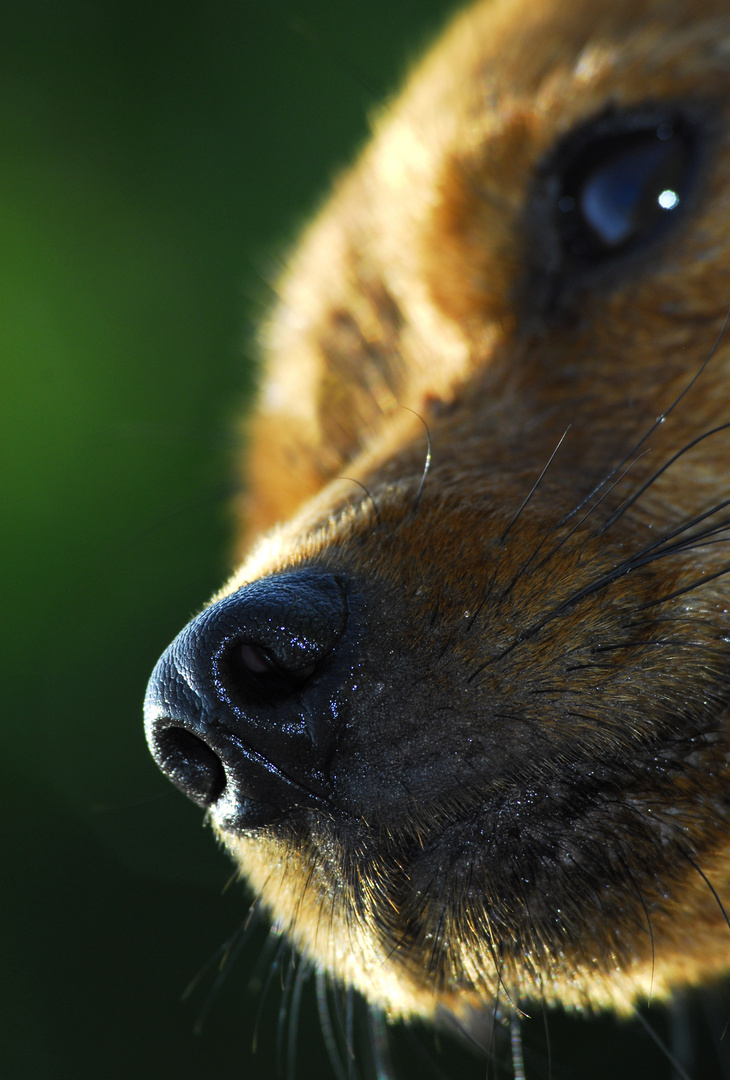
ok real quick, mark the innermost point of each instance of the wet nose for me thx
(241, 711)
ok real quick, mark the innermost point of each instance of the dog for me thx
(461, 714)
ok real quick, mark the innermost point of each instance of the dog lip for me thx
(259, 794)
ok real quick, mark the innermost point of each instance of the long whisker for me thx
(350, 1032)
(649, 926)
(676, 1065)
(546, 1025)
(379, 1044)
(577, 525)
(495, 1014)
(687, 525)
(655, 476)
(427, 463)
(426, 467)
(708, 883)
(679, 1030)
(696, 584)
(652, 553)
(294, 1014)
(518, 1059)
(534, 487)
(281, 947)
(659, 420)
(225, 960)
(282, 1043)
(328, 1033)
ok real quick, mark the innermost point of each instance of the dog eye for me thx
(610, 187)
(623, 188)
(621, 184)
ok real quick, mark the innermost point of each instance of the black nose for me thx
(241, 711)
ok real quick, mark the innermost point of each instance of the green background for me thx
(156, 160)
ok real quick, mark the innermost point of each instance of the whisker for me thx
(279, 946)
(647, 916)
(379, 1044)
(316, 39)
(679, 1031)
(427, 463)
(328, 1033)
(652, 553)
(535, 486)
(427, 1060)
(715, 1011)
(708, 883)
(495, 1014)
(695, 377)
(660, 419)
(577, 525)
(659, 472)
(546, 1026)
(676, 1065)
(662, 549)
(372, 500)
(696, 584)
(224, 958)
(686, 525)
(294, 1014)
(284, 1015)
(518, 1060)
(350, 1031)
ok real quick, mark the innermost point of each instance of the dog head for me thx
(461, 715)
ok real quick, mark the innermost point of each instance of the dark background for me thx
(156, 160)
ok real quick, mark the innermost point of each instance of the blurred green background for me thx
(156, 161)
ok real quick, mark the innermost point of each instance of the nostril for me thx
(270, 638)
(191, 764)
(258, 661)
(255, 660)
(249, 671)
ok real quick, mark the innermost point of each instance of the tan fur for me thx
(418, 288)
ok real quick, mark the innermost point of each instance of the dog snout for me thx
(241, 710)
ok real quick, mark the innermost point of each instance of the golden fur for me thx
(536, 800)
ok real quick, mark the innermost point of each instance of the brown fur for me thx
(537, 797)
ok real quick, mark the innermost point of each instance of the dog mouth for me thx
(535, 883)
(534, 880)
(482, 790)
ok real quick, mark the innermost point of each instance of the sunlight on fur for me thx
(460, 715)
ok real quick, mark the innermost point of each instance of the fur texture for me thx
(527, 790)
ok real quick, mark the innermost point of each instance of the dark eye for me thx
(610, 188)
(622, 188)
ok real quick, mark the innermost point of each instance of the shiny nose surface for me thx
(241, 711)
